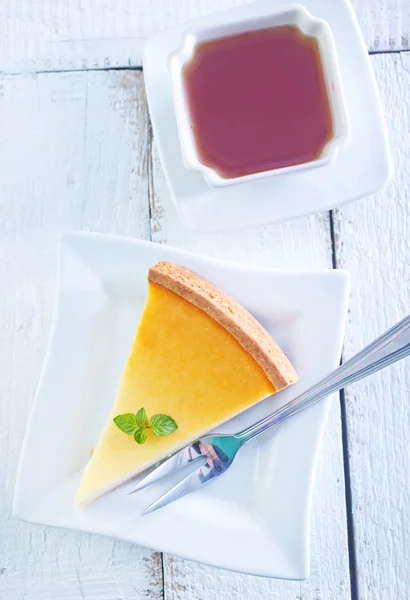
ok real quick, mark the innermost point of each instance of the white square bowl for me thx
(295, 15)
(255, 519)
(362, 164)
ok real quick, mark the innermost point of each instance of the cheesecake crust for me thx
(230, 315)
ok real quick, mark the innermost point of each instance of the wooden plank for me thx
(304, 243)
(49, 36)
(385, 24)
(373, 243)
(74, 156)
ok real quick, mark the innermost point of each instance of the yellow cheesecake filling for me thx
(184, 364)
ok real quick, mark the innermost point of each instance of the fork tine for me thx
(191, 482)
(169, 465)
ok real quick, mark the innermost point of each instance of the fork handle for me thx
(390, 347)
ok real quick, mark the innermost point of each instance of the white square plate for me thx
(361, 167)
(255, 519)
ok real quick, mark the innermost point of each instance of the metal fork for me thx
(218, 451)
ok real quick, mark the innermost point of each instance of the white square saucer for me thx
(255, 519)
(361, 167)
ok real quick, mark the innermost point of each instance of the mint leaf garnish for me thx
(127, 423)
(163, 425)
(142, 418)
(138, 424)
(140, 436)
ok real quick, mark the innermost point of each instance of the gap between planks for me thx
(140, 67)
(354, 589)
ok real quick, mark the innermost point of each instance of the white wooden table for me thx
(77, 152)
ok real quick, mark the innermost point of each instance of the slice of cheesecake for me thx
(199, 357)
